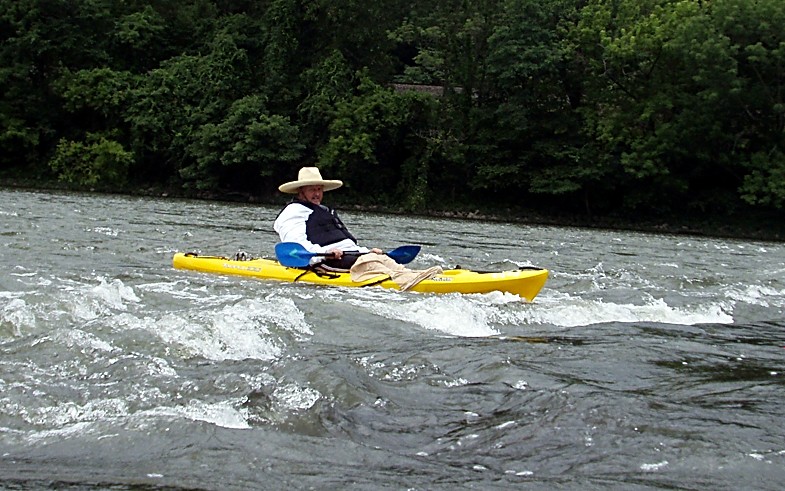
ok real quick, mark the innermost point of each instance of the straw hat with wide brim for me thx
(309, 176)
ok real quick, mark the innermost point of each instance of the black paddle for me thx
(293, 255)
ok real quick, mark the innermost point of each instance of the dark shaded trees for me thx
(573, 105)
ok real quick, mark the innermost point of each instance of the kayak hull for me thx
(525, 283)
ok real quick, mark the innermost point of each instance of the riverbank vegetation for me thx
(639, 109)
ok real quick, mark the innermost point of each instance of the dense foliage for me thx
(593, 105)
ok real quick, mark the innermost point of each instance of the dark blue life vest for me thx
(323, 226)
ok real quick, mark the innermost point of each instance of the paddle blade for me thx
(292, 254)
(404, 254)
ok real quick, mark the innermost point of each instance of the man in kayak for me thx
(316, 227)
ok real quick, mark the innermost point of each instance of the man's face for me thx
(312, 194)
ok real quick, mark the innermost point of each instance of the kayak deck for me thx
(525, 283)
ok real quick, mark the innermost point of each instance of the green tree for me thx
(326, 85)
(171, 104)
(531, 117)
(366, 137)
(139, 40)
(97, 162)
(680, 93)
(96, 98)
(39, 38)
(247, 145)
(451, 43)
(756, 120)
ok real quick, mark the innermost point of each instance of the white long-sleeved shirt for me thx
(290, 226)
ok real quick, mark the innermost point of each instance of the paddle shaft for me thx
(294, 254)
(332, 254)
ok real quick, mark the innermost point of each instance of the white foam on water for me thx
(223, 414)
(398, 371)
(238, 331)
(600, 279)
(23, 275)
(60, 433)
(428, 257)
(183, 289)
(217, 338)
(70, 417)
(484, 315)
(453, 314)
(506, 424)
(11, 295)
(654, 467)
(459, 382)
(292, 397)
(154, 366)
(521, 264)
(18, 315)
(114, 294)
(104, 231)
(761, 295)
(211, 329)
(87, 301)
(567, 311)
(85, 341)
(43, 282)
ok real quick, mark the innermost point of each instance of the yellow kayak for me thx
(525, 283)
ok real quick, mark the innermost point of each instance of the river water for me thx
(647, 361)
